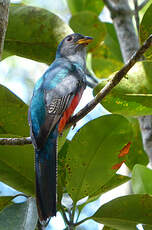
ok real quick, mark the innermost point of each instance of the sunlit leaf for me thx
(76, 6)
(132, 96)
(145, 29)
(141, 179)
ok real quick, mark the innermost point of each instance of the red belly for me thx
(69, 111)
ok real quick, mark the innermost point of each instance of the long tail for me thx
(46, 168)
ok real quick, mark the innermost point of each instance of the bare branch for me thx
(15, 141)
(91, 105)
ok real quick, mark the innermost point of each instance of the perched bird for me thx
(55, 97)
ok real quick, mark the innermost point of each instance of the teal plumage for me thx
(55, 96)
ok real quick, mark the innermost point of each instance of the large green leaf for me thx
(17, 161)
(103, 66)
(17, 167)
(13, 114)
(112, 42)
(19, 216)
(88, 23)
(136, 155)
(132, 96)
(146, 28)
(93, 153)
(114, 182)
(76, 6)
(107, 57)
(142, 179)
(34, 33)
(124, 213)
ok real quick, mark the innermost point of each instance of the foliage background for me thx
(20, 75)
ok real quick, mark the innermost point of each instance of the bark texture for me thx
(4, 5)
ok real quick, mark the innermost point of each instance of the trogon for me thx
(55, 97)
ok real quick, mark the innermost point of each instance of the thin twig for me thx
(91, 105)
(136, 14)
(64, 215)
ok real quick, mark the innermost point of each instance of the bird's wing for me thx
(54, 100)
(58, 90)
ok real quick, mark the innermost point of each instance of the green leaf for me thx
(90, 160)
(17, 161)
(19, 216)
(142, 179)
(108, 228)
(114, 182)
(136, 155)
(4, 201)
(77, 6)
(88, 23)
(13, 115)
(132, 96)
(147, 227)
(34, 33)
(111, 41)
(145, 29)
(107, 57)
(124, 213)
(104, 66)
(17, 167)
(62, 171)
(144, 9)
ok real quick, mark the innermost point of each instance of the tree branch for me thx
(91, 105)
(16, 141)
(112, 83)
(4, 4)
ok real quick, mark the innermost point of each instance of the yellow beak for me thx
(85, 40)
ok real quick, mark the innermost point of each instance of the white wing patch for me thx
(58, 105)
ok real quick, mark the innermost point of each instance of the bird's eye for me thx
(69, 39)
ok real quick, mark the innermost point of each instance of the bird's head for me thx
(73, 47)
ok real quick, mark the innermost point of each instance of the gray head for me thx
(73, 47)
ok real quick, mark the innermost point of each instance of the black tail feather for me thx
(46, 167)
